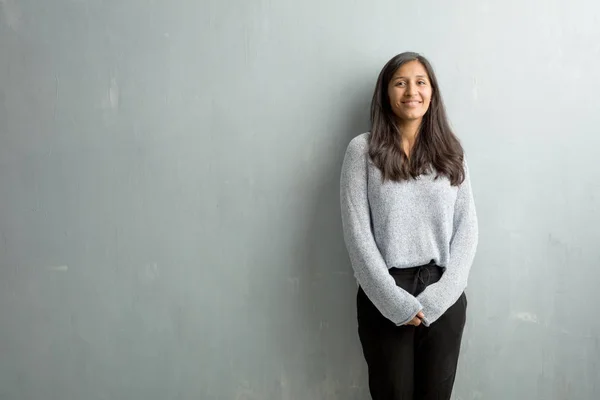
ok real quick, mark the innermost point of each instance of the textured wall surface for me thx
(169, 210)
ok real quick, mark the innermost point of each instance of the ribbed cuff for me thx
(418, 308)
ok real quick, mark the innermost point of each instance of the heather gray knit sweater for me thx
(404, 225)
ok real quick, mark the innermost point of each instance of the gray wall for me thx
(169, 193)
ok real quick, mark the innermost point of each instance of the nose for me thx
(411, 89)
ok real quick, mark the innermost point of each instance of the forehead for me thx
(411, 69)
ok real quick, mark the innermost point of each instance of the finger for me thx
(421, 315)
(416, 321)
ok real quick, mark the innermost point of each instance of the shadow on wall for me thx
(335, 368)
(307, 314)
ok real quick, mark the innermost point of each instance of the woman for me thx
(411, 231)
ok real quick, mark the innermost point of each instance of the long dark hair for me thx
(436, 147)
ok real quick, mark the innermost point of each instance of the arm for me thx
(440, 296)
(370, 269)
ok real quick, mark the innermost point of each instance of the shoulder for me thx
(357, 153)
(465, 164)
(466, 172)
(359, 145)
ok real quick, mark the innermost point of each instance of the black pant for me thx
(407, 362)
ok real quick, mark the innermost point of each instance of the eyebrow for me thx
(404, 77)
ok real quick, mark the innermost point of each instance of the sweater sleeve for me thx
(370, 268)
(440, 296)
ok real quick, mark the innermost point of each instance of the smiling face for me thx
(410, 92)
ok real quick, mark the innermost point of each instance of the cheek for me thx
(394, 97)
(428, 94)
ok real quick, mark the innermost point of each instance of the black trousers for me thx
(407, 362)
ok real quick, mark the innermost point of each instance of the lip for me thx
(412, 103)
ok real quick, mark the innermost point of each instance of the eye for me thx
(401, 84)
(422, 82)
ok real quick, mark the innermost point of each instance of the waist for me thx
(431, 267)
(416, 279)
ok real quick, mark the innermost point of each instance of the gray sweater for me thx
(406, 224)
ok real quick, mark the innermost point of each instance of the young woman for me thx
(411, 231)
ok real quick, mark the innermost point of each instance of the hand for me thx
(416, 321)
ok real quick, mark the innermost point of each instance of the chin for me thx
(413, 117)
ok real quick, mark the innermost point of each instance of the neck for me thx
(409, 131)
